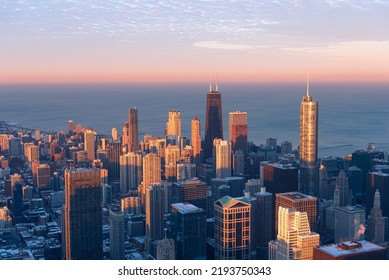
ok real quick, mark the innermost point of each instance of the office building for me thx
(70, 127)
(308, 145)
(295, 240)
(154, 200)
(114, 152)
(349, 223)
(133, 140)
(238, 160)
(238, 131)
(89, 143)
(378, 181)
(188, 224)
(280, 178)
(116, 234)
(376, 223)
(191, 191)
(232, 228)
(130, 171)
(83, 215)
(213, 120)
(5, 219)
(264, 222)
(165, 249)
(151, 169)
(299, 201)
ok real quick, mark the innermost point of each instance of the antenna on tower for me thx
(210, 82)
(307, 84)
(217, 81)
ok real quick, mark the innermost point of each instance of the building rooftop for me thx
(282, 166)
(185, 208)
(296, 196)
(349, 248)
(227, 201)
(351, 209)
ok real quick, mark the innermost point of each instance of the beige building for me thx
(295, 241)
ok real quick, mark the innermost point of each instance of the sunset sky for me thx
(183, 41)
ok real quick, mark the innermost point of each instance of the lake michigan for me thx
(350, 116)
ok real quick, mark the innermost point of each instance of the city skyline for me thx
(165, 42)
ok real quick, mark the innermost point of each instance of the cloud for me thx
(223, 46)
(355, 49)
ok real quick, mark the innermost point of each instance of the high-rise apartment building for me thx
(133, 140)
(308, 145)
(173, 125)
(83, 215)
(238, 131)
(232, 228)
(213, 120)
(151, 169)
(222, 159)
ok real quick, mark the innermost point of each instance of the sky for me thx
(184, 41)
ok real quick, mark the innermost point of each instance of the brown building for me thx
(238, 131)
(280, 178)
(133, 141)
(301, 202)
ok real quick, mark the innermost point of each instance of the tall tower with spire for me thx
(213, 119)
(376, 223)
(308, 145)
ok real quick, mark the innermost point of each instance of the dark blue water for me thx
(350, 116)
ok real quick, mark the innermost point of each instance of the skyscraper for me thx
(114, 152)
(196, 140)
(213, 120)
(232, 228)
(264, 222)
(83, 215)
(133, 141)
(301, 202)
(173, 125)
(308, 145)
(116, 234)
(70, 127)
(376, 223)
(155, 197)
(188, 229)
(114, 134)
(295, 240)
(151, 169)
(223, 159)
(349, 223)
(192, 191)
(89, 143)
(238, 131)
(130, 171)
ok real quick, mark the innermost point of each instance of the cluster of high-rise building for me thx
(82, 195)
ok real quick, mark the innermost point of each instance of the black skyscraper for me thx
(213, 120)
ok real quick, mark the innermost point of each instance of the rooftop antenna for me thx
(210, 82)
(217, 81)
(307, 84)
